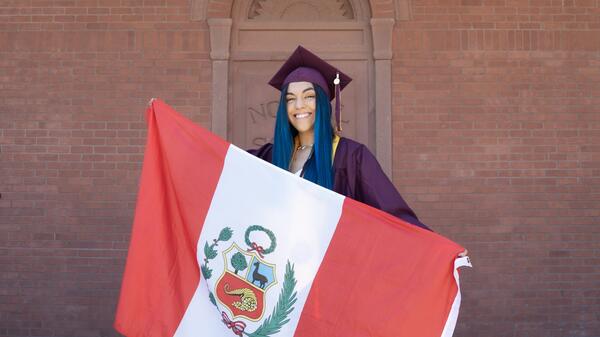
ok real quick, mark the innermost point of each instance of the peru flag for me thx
(224, 244)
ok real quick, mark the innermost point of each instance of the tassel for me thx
(338, 103)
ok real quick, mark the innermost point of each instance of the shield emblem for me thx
(244, 283)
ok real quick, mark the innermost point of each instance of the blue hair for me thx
(283, 139)
(318, 167)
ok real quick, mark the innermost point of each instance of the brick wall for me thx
(74, 79)
(496, 145)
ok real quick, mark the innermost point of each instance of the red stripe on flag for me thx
(381, 277)
(182, 165)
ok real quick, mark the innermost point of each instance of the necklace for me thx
(303, 147)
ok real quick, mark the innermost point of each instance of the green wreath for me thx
(254, 246)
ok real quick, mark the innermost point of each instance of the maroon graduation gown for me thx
(358, 175)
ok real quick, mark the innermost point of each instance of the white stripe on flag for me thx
(302, 215)
(453, 316)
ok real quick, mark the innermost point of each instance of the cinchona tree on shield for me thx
(238, 262)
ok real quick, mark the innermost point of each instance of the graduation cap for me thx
(304, 66)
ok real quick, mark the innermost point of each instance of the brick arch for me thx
(208, 9)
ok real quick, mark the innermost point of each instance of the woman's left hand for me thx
(464, 253)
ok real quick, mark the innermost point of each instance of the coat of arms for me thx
(241, 291)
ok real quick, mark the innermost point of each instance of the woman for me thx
(305, 142)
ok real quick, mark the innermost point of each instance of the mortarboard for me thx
(304, 66)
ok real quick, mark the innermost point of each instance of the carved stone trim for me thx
(402, 9)
(317, 9)
(253, 10)
(382, 30)
(220, 33)
(383, 114)
(382, 53)
(199, 9)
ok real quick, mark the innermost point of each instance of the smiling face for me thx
(301, 100)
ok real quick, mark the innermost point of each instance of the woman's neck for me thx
(307, 138)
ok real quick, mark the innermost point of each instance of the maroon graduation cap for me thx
(304, 66)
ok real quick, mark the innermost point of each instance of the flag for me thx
(225, 244)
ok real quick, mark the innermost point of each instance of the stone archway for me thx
(228, 20)
(206, 9)
(265, 32)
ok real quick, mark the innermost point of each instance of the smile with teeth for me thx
(302, 115)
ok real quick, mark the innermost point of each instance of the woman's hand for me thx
(464, 253)
(151, 100)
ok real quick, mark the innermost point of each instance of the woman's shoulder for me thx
(351, 154)
(351, 147)
(264, 152)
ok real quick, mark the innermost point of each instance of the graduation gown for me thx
(358, 175)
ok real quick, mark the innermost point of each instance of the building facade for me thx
(485, 113)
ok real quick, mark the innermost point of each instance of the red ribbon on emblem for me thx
(259, 249)
(236, 326)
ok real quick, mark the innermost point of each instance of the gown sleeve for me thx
(264, 152)
(374, 188)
